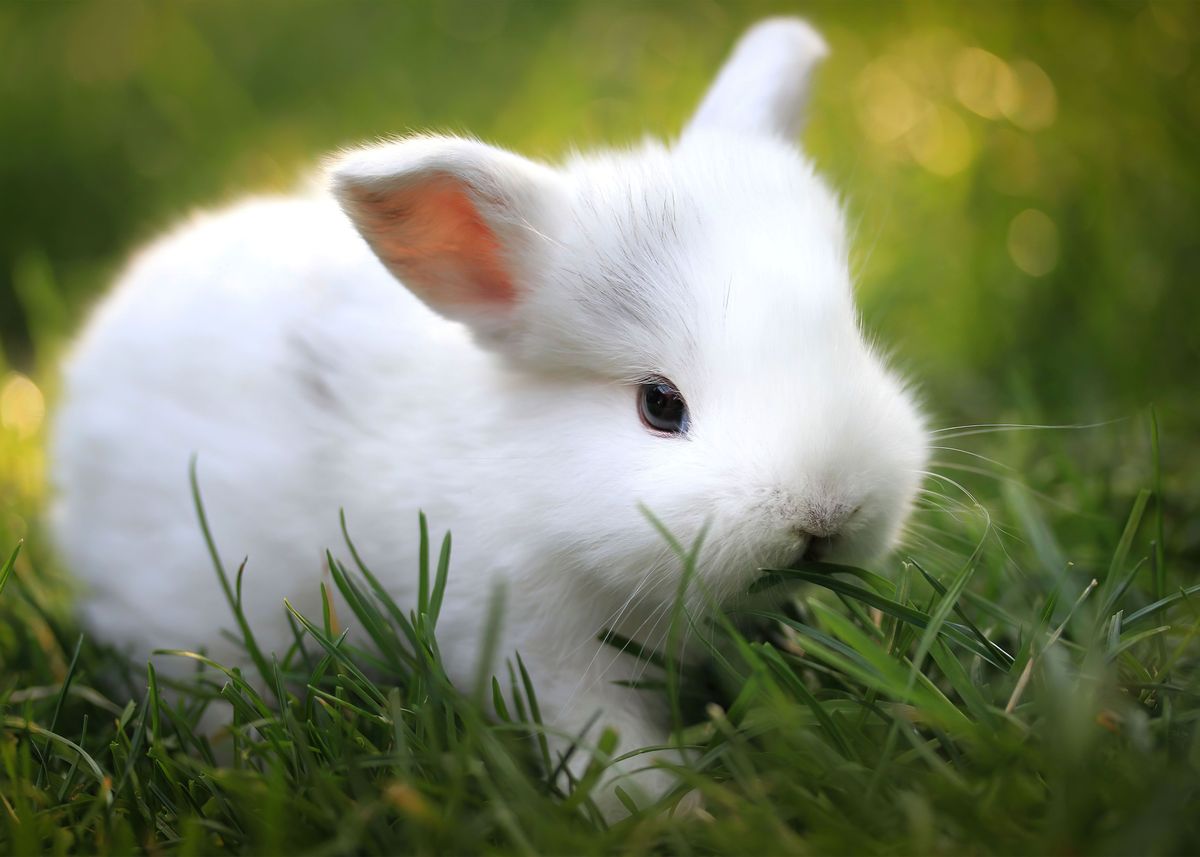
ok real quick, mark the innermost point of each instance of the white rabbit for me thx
(531, 355)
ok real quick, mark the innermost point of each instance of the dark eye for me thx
(662, 407)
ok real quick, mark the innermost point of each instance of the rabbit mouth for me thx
(814, 549)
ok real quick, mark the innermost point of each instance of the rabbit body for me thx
(497, 391)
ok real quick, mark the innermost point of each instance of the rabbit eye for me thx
(662, 407)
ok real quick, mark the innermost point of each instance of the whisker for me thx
(644, 588)
(659, 575)
(926, 495)
(974, 500)
(986, 428)
(641, 668)
(929, 496)
(981, 457)
(930, 528)
(647, 640)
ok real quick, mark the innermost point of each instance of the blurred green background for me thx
(1023, 178)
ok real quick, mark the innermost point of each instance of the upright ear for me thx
(763, 87)
(458, 222)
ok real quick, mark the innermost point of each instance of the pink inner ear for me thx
(431, 235)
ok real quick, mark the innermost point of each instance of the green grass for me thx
(1022, 677)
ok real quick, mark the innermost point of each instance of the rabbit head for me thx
(678, 324)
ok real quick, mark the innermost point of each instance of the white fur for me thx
(268, 340)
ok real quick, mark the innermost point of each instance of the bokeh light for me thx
(1035, 102)
(22, 406)
(984, 83)
(941, 142)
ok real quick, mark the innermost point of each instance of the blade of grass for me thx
(22, 725)
(361, 684)
(422, 564)
(62, 695)
(1131, 641)
(1023, 679)
(6, 569)
(248, 638)
(797, 686)
(892, 608)
(1160, 564)
(535, 713)
(775, 576)
(1150, 609)
(1002, 656)
(1117, 581)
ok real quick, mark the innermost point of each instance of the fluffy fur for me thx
(497, 392)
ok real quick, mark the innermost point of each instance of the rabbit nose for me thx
(820, 527)
(824, 520)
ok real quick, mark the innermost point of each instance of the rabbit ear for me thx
(763, 87)
(452, 219)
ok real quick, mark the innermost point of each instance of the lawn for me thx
(1021, 676)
